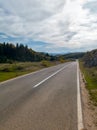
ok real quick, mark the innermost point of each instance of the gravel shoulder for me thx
(89, 110)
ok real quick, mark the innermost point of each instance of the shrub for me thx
(5, 69)
(45, 63)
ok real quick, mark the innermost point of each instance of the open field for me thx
(90, 75)
(8, 71)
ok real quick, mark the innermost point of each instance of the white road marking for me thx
(51, 76)
(79, 105)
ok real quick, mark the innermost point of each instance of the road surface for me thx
(44, 100)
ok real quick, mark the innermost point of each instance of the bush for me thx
(19, 68)
(5, 70)
(45, 63)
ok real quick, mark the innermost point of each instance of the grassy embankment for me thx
(90, 75)
(8, 71)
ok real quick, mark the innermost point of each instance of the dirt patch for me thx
(89, 110)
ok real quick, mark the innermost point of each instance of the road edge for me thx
(90, 119)
(79, 102)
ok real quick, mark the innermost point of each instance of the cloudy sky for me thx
(55, 26)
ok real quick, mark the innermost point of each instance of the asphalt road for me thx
(44, 100)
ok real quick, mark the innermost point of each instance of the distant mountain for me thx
(75, 55)
(90, 58)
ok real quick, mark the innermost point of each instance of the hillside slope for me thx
(90, 58)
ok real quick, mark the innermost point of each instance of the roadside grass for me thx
(8, 71)
(90, 75)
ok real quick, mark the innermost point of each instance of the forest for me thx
(10, 52)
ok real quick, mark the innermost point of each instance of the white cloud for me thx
(65, 23)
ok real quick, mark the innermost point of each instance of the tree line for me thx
(19, 52)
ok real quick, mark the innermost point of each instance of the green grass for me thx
(8, 71)
(90, 75)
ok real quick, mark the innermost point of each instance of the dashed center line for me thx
(51, 76)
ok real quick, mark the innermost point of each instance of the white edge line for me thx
(50, 76)
(79, 104)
